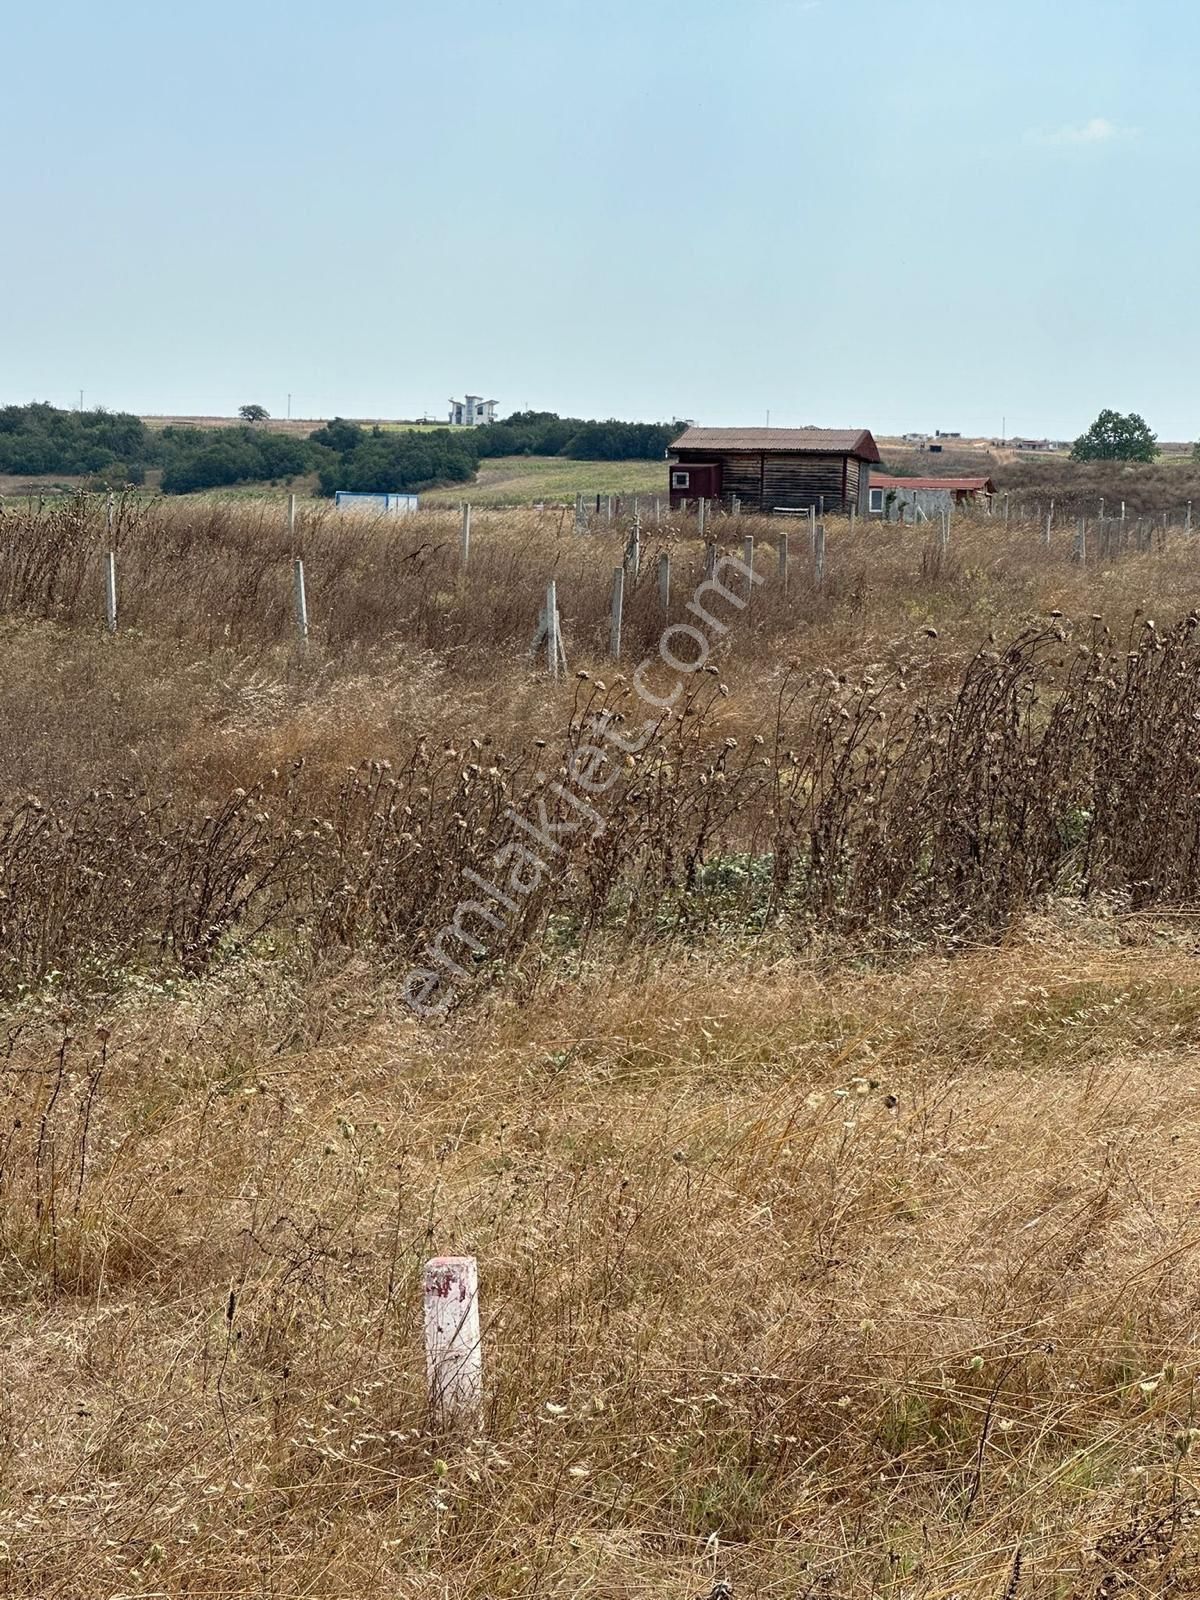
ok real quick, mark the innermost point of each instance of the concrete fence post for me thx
(453, 1344)
(748, 556)
(291, 515)
(618, 605)
(633, 551)
(466, 534)
(819, 554)
(301, 599)
(664, 580)
(781, 547)
(110, 591)
(701, 510)
(710, 560)
(553, 641)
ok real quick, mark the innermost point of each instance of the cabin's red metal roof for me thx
(783, 441)
(962, 485)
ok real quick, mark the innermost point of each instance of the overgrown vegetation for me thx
(824, 1124)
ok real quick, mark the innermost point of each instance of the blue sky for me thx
(887, 213)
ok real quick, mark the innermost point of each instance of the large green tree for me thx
(1113, 437)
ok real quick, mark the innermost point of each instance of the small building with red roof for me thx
(890, 498)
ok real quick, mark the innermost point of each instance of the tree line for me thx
(117, 448)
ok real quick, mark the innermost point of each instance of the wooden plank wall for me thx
(793, 482)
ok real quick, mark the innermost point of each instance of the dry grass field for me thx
(825, 1120)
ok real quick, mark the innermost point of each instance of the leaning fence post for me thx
(781, 547)
(664, 580)
(453, 1348)
(466, 534)
(301, 598)
(618, 603)
(110, 591)
(819, 553)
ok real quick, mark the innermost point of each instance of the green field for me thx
(514, 480)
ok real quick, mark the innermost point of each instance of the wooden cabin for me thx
(774, 469)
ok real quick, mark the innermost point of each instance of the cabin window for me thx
(680, 480)
(876, 499)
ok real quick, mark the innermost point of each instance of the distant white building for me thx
(473, 412)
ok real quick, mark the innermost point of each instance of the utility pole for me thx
(289, 408)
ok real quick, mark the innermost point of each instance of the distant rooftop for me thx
(783, 441)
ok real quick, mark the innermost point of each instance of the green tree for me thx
(254, 413)
(339, 435)
(1113, 437)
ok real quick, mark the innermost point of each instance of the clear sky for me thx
(888, 213)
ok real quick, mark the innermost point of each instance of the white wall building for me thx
(473, 412)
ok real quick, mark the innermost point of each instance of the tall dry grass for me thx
(825, 1128)
(836, 1286)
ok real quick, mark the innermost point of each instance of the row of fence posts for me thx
(631, 566)
(610, 508)
(549, 621)
(1046, 522)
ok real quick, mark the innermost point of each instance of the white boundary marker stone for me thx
(453, 1349)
